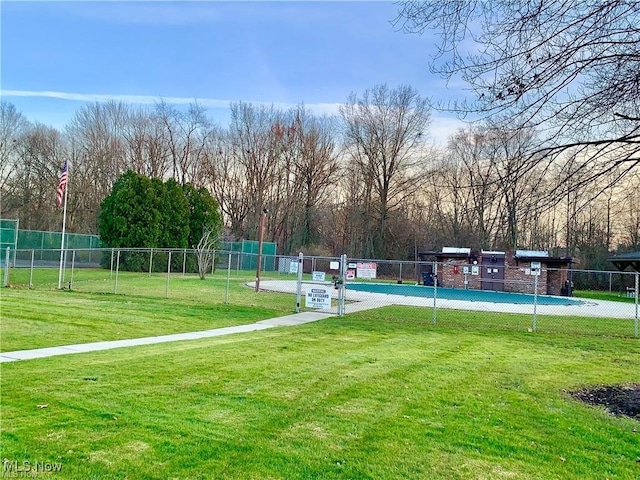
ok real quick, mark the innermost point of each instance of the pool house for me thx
(498, 270)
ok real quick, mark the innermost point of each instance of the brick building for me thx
(498, 271)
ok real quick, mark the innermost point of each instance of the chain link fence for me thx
(554, 300)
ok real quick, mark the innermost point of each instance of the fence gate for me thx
(321, 284)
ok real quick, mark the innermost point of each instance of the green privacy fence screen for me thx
(36, 239)
(17, 239)
(250, 247)
(8, 236)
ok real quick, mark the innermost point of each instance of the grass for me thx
(45, 316)
(599, 295)
(482, 321)
(366, 396)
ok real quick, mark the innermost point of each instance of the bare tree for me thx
(227, 180)
(13, 127)
(205, 253)
(519, 181)
(629, 202)
(256, 134)
(568, 67)
(384, 138)
(30, 191)
(98, 155)
(186, 134)
(148, 149)
(309, 165)
(468, 149)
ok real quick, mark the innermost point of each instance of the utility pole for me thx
(263, 217)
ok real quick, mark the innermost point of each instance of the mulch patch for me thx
(617, 399)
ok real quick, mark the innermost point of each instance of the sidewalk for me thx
(286, 321)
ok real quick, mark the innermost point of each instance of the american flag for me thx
(62, 185)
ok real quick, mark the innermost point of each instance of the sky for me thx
(57, 56)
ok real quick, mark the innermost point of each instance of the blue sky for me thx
(58, 55)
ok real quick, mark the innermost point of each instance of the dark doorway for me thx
(426, 271)
(493, 271)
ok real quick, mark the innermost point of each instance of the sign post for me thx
(299, 282)
(342, 286)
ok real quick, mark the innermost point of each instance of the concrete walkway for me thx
(286, 321)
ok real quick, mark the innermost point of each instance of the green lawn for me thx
(44, 316)
(366, 396)
(599, 295)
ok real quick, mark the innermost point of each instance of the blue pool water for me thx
(460, 294)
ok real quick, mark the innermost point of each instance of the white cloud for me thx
(441, 126)
(328, 108)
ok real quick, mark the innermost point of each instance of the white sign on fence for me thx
(334, 265)
(318, 297)
(293, 266)
(535, 268)
(366, 270)
(318, 276)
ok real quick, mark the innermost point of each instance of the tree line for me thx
(367, 182)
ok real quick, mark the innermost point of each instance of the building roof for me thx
(532, 253)
(541, 256)
(626, 260)
(492, 252)
(458, 250)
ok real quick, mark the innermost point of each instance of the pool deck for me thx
(358, 300)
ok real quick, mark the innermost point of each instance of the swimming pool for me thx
(460, 294)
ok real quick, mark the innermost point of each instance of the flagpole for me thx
(64, 227)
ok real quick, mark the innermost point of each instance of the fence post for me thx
(636, 333)
(241, 254)
(226, 295)
(400, 274)
(6, 267)
(435, 290)
(64, 256)
(111, 265)
(150, 262)
(166, 293)
(115, 289)
(184, 262)
(73, 265)
(299, 282)
(342, 290)
(535, 303)
(33, 254)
